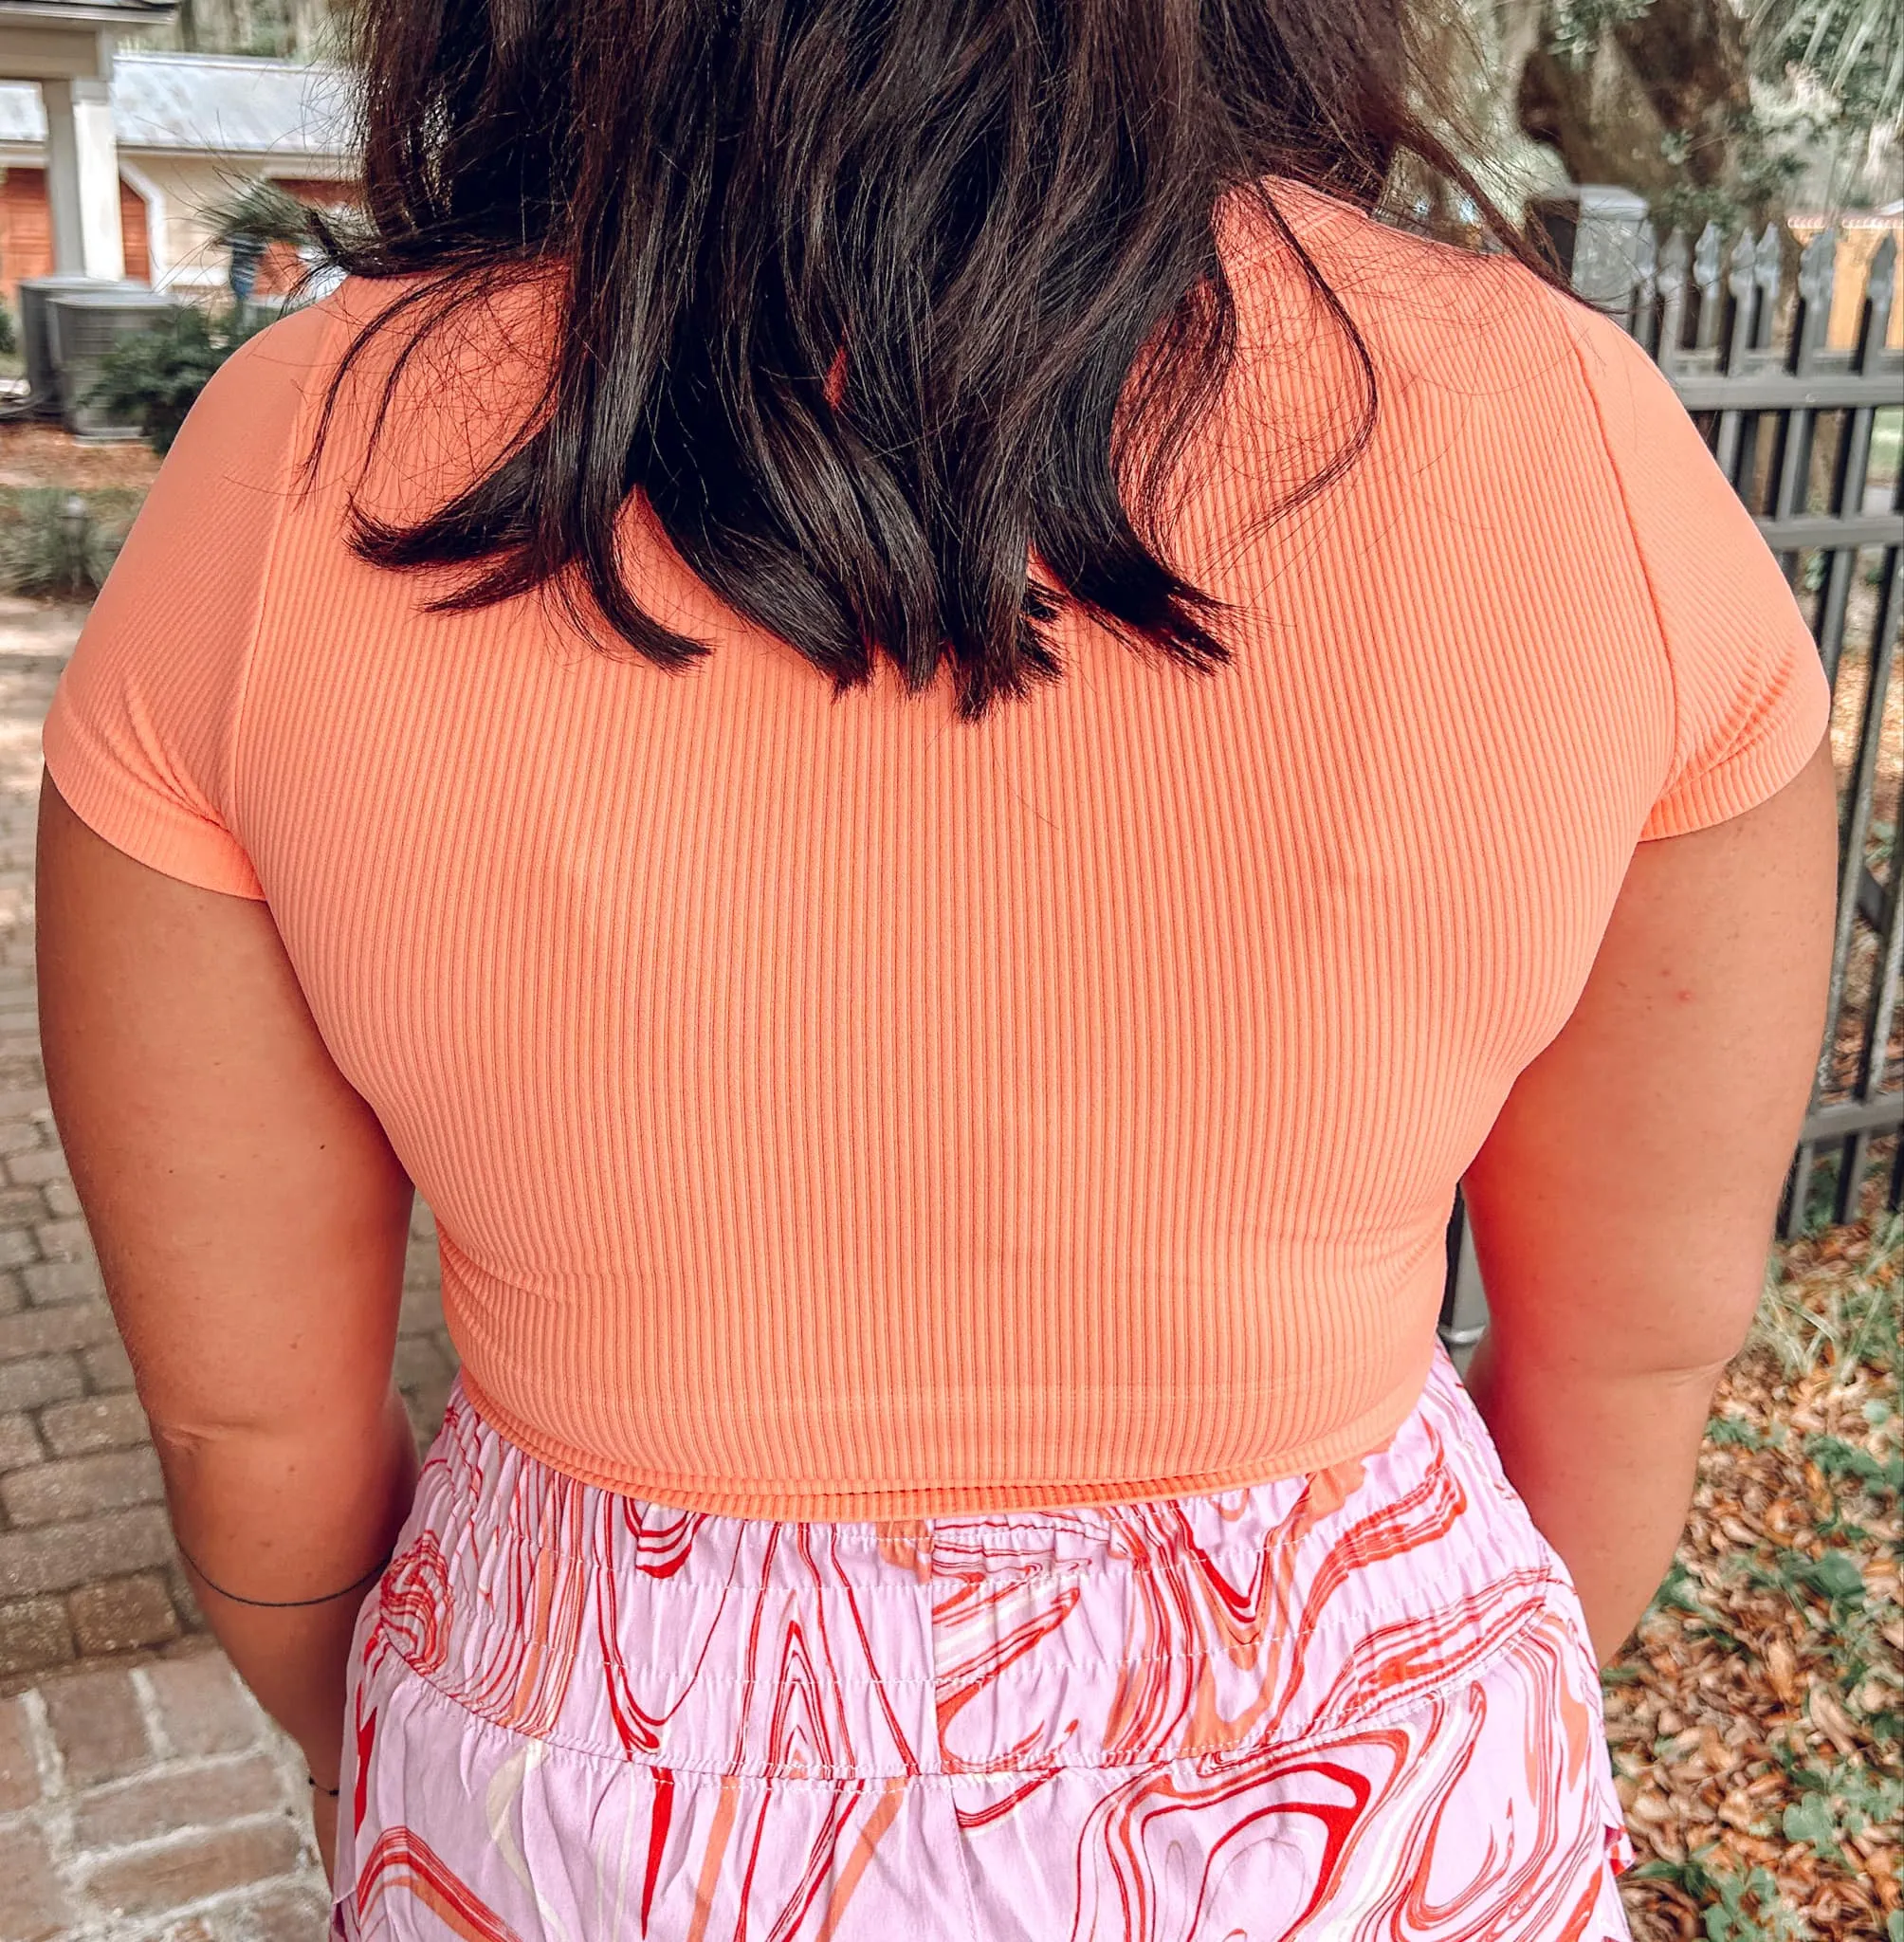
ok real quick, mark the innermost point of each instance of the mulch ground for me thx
(34, 454)
(1757, 1716)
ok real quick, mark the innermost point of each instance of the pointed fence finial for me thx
(1882, 275)
(1675, 262)
(1817, 267)
(1811, 325)
(1742, 267)
(1880, 290)
(1706, 256)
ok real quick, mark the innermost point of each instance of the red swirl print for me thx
(402, 1862)
(1127, 1843)
(414, 1604)
(1356, 1707)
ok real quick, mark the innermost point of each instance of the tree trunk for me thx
(1674, 79)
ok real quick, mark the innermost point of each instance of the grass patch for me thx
(59, 543)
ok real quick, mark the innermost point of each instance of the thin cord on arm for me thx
(280, 1605)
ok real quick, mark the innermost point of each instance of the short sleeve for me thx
(142, 737)
(1751, 699)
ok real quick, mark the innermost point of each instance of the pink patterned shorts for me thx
(1356, 1705)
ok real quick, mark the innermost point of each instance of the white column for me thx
(82, 192)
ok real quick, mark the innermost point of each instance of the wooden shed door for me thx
(26, 230)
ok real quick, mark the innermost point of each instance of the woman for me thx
(940, 1169)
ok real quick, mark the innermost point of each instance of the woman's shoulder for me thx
(439, 372)
(253, 413)
(1346, 237)
(1439, 312)
(306, 340)
(315, 338)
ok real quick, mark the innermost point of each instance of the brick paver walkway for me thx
(143, 1797)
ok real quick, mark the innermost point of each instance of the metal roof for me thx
(220, 104)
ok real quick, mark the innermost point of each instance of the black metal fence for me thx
(1808, 433)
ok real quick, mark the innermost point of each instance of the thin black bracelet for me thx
(282, 1604)
(335, 1793)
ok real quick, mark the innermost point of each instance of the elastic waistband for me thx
(1181, 1628)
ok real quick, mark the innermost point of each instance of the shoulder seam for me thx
(1632, 532)
(267, 574)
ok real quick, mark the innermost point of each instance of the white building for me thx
(109, 161)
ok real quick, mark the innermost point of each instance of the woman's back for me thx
(833, 1108)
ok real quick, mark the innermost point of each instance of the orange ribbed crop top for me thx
(830, 1110)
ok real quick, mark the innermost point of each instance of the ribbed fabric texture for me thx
(835, 1110)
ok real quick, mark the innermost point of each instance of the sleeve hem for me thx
(1755, 773)
(171, 842)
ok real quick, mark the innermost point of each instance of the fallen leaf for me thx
(1781, 1664)
(1831, 1720)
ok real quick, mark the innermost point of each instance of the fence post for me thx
(1673, 274)
(1464, 1302)
(1599, 236)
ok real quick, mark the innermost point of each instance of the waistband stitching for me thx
(900, 1581)
(834, 1776)
(909, 1587)
(1362, 1616)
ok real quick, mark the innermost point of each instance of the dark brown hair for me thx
(868, 299)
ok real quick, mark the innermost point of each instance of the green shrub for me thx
(9, 333)
(53, 541)
(152, 378)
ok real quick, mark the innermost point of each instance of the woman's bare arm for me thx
(250, 1220)
(1624, 1203)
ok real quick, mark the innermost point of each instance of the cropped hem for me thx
(826, 1503)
